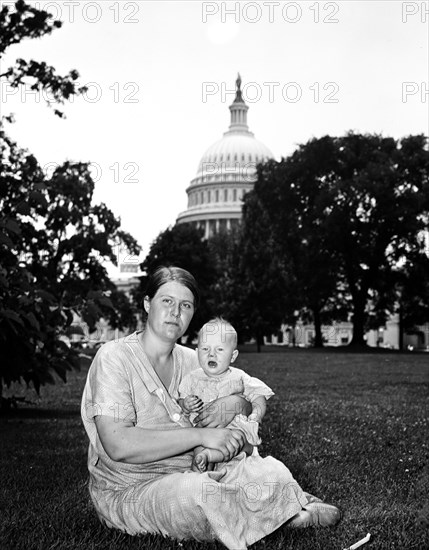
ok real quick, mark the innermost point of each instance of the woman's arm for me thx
(222, 411)
(124, 442)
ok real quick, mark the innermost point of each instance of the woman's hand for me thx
(228, 442)
(221, 412)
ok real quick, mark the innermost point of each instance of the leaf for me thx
(105, 301)
(3, 281)
(23, 208)
(12, 315)
(4, 239)
(38, 197)
(33, 321)
(46, 296)
(12, 225)
(93, 311)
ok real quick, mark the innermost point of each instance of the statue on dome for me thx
(238, 96)
(238, 81)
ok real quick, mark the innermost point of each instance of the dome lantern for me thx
(238, 111)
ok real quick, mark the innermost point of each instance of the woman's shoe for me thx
(316, 514)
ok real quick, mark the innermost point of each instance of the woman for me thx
(140, 451)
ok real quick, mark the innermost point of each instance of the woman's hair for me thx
(164, 275)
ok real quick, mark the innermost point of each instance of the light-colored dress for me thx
(243, 502)
(231, 382)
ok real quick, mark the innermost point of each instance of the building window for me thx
(202, 197)
(235, 195)
(228, 157)
(217, 195)
(225, 195)
(208, 196)
(235, 157)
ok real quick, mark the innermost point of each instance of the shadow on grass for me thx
(34, 413)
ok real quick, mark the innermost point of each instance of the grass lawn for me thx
(353, 429)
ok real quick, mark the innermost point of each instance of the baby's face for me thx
(216, 351)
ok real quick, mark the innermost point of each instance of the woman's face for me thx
(170, 311)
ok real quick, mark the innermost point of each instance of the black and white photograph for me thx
(214, 275)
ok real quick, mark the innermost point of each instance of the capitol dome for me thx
(233, 148)
(227, 170)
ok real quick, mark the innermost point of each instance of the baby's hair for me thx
(225, 327)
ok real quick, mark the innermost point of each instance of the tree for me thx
(265, 300)
(346, 211)
(412, 295)
(53, 244)
(182, 245)
(380, 206)
(285, 193)
(24, 22)
(226, 291)
(53, 241)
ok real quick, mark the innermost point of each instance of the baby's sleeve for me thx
(253, 388)
(108, 391)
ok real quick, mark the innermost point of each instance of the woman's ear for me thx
(146, 303)
(234, 355)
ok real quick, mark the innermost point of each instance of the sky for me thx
(161, 76)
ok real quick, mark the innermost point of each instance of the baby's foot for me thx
(201, 461)
(204, 460)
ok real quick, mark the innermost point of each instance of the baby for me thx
(217, 341)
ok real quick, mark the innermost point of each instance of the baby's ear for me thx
(234, 355)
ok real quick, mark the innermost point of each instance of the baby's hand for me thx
(192, 403)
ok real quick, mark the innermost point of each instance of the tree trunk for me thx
(318, 338)
(358, 324)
